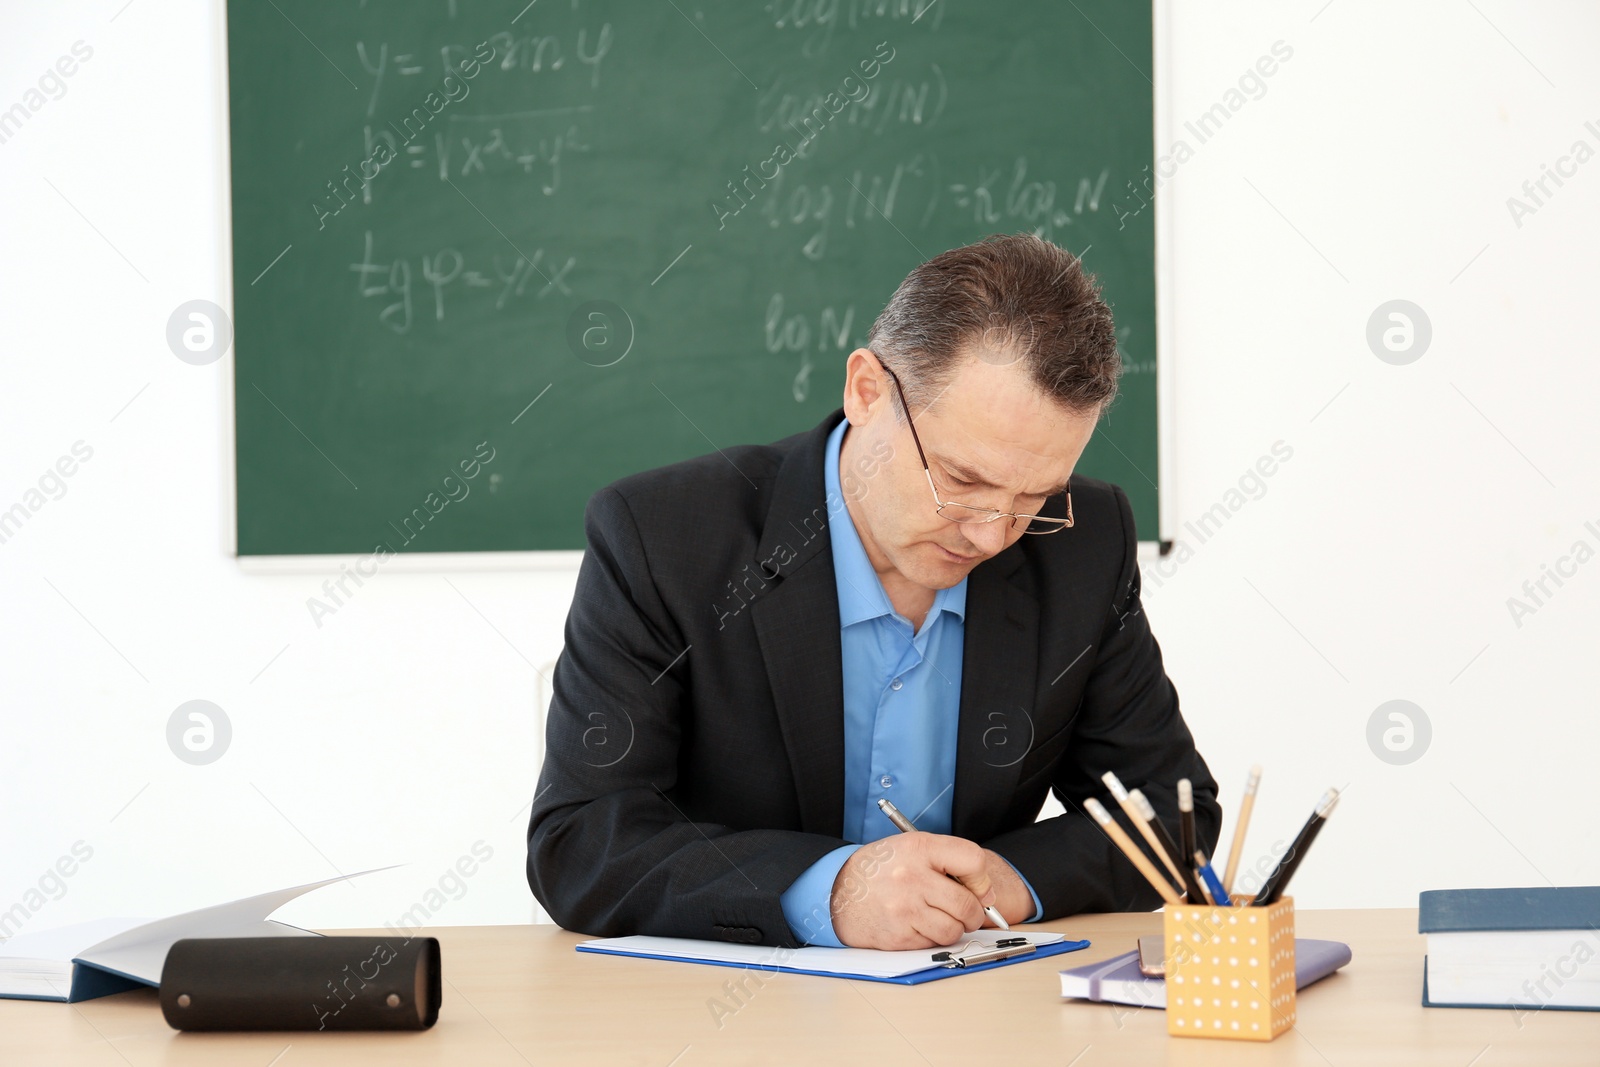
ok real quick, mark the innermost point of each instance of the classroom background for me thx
(1354, 527)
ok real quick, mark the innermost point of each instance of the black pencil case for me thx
(301, 983)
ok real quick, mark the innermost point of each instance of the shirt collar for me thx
(861, 594)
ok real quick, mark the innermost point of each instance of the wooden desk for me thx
(519, 995)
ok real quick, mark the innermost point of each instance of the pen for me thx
(1209, 876)
(1272, 888)
(1005, 943)
(989, 955)
(1186, 837)
(1120, 838)
(1205, 890)
(904, 825)
(1141, 822)
(1245, 807)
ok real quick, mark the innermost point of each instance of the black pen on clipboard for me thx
(1003, 950)
(904, 825)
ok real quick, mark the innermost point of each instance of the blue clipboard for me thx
(933, 973)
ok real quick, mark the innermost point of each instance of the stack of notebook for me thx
(1524, 949)
(1119, 981)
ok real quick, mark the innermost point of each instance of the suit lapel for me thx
(797, 624)
(999, 669)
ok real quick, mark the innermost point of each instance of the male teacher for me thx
(915, 601)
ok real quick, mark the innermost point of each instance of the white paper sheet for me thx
(60, 944)
(874, 963)
(138, 947)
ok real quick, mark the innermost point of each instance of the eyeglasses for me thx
(954, 511)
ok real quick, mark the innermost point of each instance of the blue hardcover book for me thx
(1518, 949)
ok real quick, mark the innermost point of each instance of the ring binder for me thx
(301, 983)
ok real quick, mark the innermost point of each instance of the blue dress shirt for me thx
(902, 701)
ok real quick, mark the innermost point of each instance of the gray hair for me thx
(1017, 298)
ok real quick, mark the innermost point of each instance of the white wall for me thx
(1377, 565)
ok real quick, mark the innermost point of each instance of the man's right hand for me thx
(895, 894)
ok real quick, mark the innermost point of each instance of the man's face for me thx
(991, 439)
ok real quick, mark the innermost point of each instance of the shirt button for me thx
(896, 684)
(887, 781)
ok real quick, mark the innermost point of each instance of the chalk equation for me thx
(392, 281)
(912, 100)
(996, 197)
(533, 143)
(576, 55)
(817, 20)
(805, 333)
(913, 194)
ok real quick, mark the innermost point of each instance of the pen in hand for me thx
(904, 825)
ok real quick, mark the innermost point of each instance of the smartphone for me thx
(1152, 956)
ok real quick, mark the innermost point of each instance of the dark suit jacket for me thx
(694, 761)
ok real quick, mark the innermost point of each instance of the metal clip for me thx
(989, 955)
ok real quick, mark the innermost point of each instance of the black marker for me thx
(1272, 888)
(1187, 846)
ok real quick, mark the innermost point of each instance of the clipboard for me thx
(918, 965)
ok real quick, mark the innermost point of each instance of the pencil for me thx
(905, 826)
(1245, 808)
(1147, 812)
(1120, 838)
(1140, 821)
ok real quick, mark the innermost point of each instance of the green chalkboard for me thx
(647, 220)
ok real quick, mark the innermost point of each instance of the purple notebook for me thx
(1118, 981)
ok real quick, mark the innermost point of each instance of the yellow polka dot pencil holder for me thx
(1230, 970)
